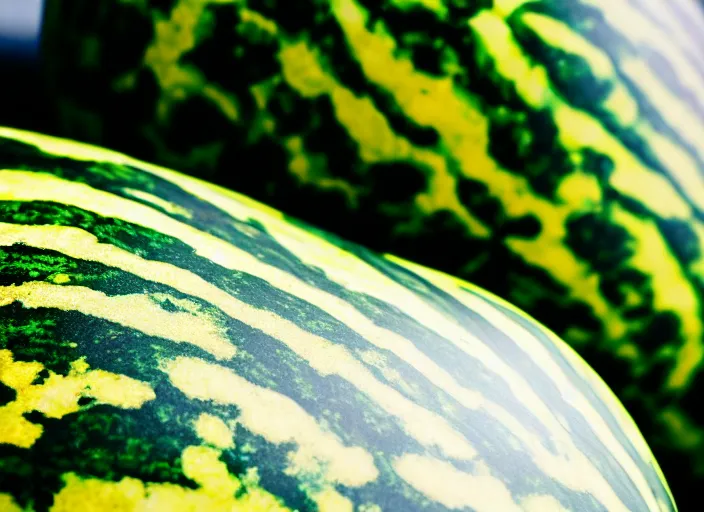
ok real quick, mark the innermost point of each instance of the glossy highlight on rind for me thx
(167, 344)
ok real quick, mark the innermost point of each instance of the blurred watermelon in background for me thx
(549, 151)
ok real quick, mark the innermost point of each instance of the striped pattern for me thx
(550, 152)
(166, 345)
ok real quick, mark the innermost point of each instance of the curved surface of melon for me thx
(548, 151)
(168, 345)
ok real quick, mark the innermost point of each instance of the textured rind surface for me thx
(550, 152)
(166, 345)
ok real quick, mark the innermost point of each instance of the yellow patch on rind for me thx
(273, 416)
(58, 395)
(214, 431)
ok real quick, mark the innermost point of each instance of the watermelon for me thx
(169, 345)
(551, 152)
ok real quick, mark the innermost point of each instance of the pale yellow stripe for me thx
(602, 390)
(135, 311)
(376, 139)
(326, 357)
(88, 153)
(542, 503)
(340, 266)
(560, 35)
(455, 489)
(273, 416)
(531, 80)
(349, 270)
(577, 129)
(641, 31)
(682, 166)
(82, 245)
(160, 203)
(622, 105)
(663, 17)
(544, 359)
(428, 100)
(673, 291)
